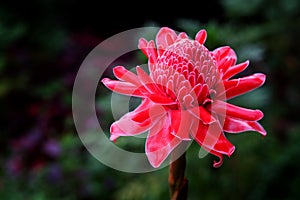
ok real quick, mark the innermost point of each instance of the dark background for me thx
(42, 45)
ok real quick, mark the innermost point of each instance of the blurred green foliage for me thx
(43, 158)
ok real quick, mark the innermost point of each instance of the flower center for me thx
(186, 71)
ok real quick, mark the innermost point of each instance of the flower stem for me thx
(178, 184)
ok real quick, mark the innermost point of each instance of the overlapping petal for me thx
(124, 87)
(160, 142)
(235, 70)
(236, 111)
(181, 123)
(232, 125)
(213, 140)
(165, 37)
(243, 85)
(223, 55)
(125, 75)
(139, 120)
(202, 114)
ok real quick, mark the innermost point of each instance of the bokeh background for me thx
(42, 45)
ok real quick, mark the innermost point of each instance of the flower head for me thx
(184, 96)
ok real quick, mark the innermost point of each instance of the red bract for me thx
(183, 97)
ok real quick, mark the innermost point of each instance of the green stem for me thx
(178, 184)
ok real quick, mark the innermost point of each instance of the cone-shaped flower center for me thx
(186, 72)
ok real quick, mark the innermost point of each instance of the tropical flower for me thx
(184, 96)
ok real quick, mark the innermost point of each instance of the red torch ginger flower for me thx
(183, 97)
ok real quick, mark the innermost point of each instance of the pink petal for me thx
(203, 93)
(212, 138)
(114, 138)
(160, 99)
(221, 52)
(245, 84)
(219, 155)
(182, 35)
(123, 87)
(147, 81)
(152, 52)
(149, 49)
(224, 52)
(181, 123)
(196, 90)
(123, 74)
(143, 43)
(165, 37)
(235, 70)
(201, 36)
(225, 63)
(202, 114)
(232, 125)
(160, 143)
(231, 84)
(236, 111)
(138, 121)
